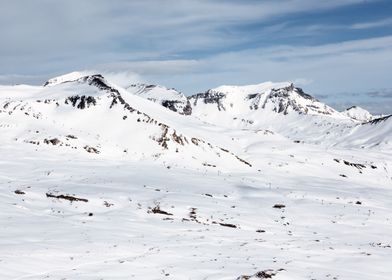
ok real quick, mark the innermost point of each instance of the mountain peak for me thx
(358, 113)
(69, 77)
(169, 98)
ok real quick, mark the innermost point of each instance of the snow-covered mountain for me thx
(169, 98)
(278, 107)
(242, 182)
(89, 113)
(281, 98)
(358, 113)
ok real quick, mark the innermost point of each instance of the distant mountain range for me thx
(90, 113)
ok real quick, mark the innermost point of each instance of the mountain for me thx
(98, 181)
(88, 113)
(281, 98)
(278, 107)
(358, 113)
(169, 98)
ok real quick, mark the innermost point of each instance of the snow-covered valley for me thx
(263, 181)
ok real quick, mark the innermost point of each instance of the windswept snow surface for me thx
(99, 183)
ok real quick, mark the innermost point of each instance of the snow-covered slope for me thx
(169, 98)
(99, 182)
(375, 133)
(358, 113)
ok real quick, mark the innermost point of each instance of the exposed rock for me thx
(66, 197)
(19, 192)
(91, 149)
(228, 225)
(53, 141)
(279, 206)
(81, 102)
(209, 97)
(158, 210)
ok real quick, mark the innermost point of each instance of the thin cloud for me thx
(372, 24)
(382, 93)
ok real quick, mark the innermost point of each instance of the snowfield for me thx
(257, 182)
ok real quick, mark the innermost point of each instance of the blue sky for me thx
(339, 51)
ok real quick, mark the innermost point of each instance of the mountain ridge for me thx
(278, 107)
(113, 111)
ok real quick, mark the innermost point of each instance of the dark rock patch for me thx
(279, 206)
(158, 210)
(209, 165)
(66, 197)
(357, 165)
(19, 192)
(243, 161)
(228, 225)
(53, 141)
(107, 204)
(91, 149)
(265, 274)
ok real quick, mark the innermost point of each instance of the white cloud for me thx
(123, 78)
(76, 34)
(153, 67)
(372, 24)
(324, 69)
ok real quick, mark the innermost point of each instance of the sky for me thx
(339, 51)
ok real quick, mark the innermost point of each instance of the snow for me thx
(156, 92)
(170, 98)
(332, 174)
(358, 113)
(69, 77)
(251, 89)
(373, 134)
(261, 99)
